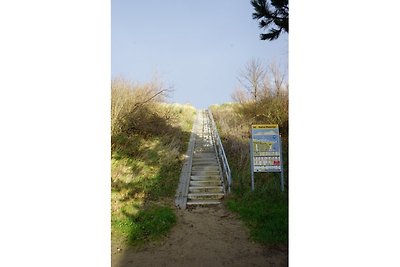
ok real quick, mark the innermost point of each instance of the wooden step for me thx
(205, 195)
(204, 164)
(191, 202)
(204, 145)
(212, 162)
(206, 183)
(203, 150)
(204, 157)
(205, 161)
(206, 168)
(205, 178)
(204, 173)
(204, 154)
(198, 189)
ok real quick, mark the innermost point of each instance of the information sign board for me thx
(265, 150)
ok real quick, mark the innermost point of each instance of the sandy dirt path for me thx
(203, 236)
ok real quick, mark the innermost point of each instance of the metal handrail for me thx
(221, 152)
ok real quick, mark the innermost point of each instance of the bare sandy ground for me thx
(203, 236)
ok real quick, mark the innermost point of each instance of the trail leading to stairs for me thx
(203, 236)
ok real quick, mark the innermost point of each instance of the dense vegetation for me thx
(262, 100)
(149, 138)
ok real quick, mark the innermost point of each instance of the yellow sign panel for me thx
(265, 126)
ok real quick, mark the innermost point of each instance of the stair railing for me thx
(221, 152)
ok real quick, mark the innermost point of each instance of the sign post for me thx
(266, 151)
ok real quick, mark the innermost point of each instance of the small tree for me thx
(130, 101)
(252, 77)
(263, 95)
(272, 15)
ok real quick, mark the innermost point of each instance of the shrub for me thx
(133, 105)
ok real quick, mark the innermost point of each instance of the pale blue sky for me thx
(198, 47)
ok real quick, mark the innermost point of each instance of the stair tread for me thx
(205, 187)
(206, 194)
(201, 176)
(204, 173)
(206, 179)
(207, 167)
(205, 162)
(203, 182)
(203, 202)
(205, 170)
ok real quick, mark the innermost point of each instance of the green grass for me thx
(264, 211)
(145, 225)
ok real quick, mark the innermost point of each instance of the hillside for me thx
(147, 148)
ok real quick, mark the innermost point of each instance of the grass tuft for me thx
(145, 225)
(151, 223)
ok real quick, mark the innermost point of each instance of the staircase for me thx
(206, 184)
(203, 175)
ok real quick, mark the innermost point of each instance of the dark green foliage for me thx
(272, 16)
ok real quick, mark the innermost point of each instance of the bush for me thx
(134, 105)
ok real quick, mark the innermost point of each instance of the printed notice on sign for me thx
(266, 148)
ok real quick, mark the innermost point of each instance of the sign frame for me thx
(268, 136)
